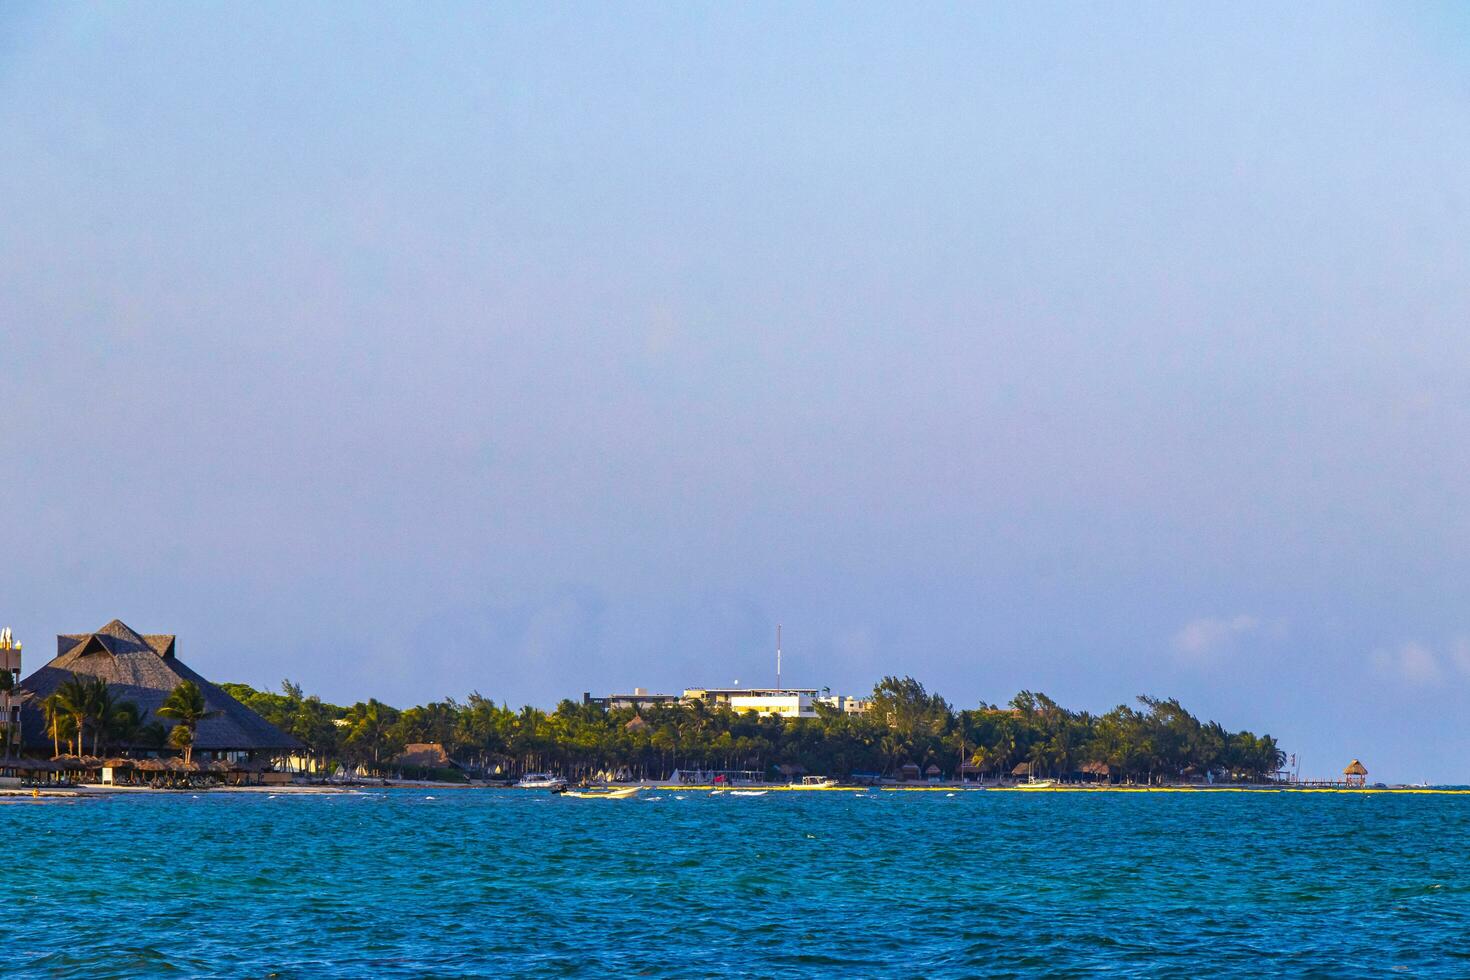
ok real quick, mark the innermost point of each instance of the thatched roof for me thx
(1022, 769)
(635, 724)
(32, 765)
(143, 669)
(933, 770)
(424, 755)
(1355, 768)
(1096, 768)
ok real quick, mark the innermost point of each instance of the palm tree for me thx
(75, 699)
(102, 709)
(182, 738)
(54, 712)
(371, 727)
(186, 706)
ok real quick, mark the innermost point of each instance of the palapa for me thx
(144, 670)
(33, 765)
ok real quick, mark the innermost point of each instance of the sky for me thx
(537, 349)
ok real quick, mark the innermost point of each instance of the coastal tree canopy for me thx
(1153, 739)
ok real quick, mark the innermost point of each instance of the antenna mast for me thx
(778, 656)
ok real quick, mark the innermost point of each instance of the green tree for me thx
(187, 707)
(75, 699)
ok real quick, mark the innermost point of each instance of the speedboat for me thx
(541, 780)
(749, 792)
(815, 782)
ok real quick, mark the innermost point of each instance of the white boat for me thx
(622, 793)
(815, 782)
(541, 780)
(749, 792)
(1034, 783)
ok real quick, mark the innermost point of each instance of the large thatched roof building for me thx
(143, 669)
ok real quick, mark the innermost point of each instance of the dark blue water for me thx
(494, 883)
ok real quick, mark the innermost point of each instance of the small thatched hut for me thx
(1021, 769)
(424, 755)
(1356, 774)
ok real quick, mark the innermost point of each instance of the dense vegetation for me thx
(1154, 740)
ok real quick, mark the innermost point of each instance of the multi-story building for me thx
(9, 697)
(640, 698)
(788, 702)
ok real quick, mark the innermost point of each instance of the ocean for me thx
(481, 883)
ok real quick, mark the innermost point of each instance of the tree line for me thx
(87, 716)
(1151, 740)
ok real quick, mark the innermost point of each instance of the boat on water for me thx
(1034, 783)
(620, 793)
(749, 792)
(541, 780)
(815, 782)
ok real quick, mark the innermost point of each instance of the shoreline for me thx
(95, 791)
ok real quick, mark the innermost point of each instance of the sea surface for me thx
(470, 883)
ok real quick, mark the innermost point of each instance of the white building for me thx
(796, 704)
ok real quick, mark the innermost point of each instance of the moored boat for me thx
(607, 793)
(815, 782)
(542, 780)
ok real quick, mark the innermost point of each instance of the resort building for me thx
(144, 669)
(640, 698)
(9, 701)
(725, 697)
(788, 702)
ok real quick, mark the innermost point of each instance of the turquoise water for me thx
(492, 883)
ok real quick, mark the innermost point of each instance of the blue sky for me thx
(537, 349)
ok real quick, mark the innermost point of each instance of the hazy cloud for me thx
(1207, 634)
(1415, 663)
(1411, 662)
